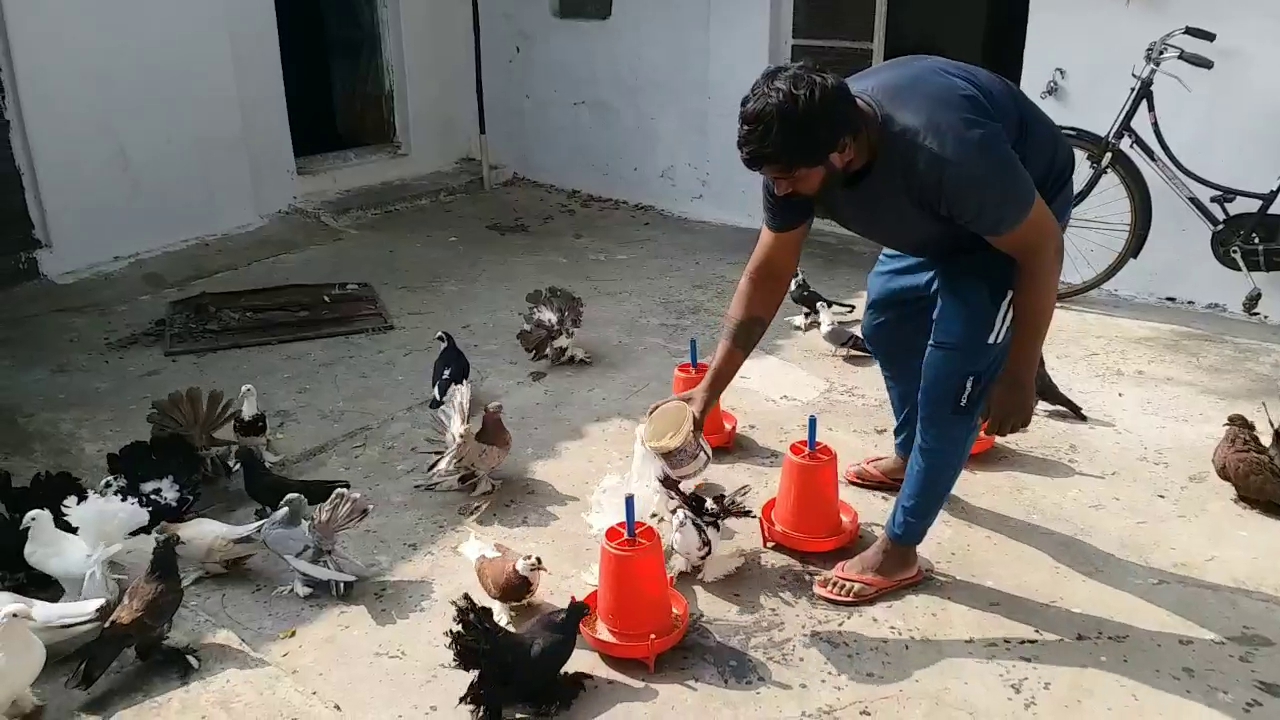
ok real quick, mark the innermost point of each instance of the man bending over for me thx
(967, 185)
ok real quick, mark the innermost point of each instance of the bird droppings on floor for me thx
(1095, 566)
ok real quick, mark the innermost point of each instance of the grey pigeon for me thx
(836, 335)
(310, 547)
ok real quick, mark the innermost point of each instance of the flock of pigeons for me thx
(140, 524)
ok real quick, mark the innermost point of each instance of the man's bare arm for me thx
(760, 292)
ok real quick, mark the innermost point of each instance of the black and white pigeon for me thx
(451, 368)
(162, 474)
(696, 529)
(803, 294)
(251, 427)
(838, 336)
(516, 669)
(553, 318)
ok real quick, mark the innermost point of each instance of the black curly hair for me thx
(794, 117)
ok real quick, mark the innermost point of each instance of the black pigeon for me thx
(451, 368)
(196, 418)
(516, 670)
(553, 318)
(1047, 390)
(803, 294)
(141, 621)
(268, 488)
(46, 491)
(163, 474)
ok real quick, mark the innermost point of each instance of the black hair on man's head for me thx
(795, 116)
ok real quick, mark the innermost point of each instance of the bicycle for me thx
(1245, 242)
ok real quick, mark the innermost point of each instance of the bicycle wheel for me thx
(1109, 225)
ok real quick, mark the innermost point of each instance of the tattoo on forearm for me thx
(746, 333)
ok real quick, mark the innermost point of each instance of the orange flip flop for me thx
(877, 479)
(880, 586)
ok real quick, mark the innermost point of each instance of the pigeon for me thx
(196, 419)
(310, 547)
(1047, 391)
(141, 621)
(1242, 460)
(1273, 449)
(58, 624)
(468, 457)
(512, 669)
(251, 427)
(696, 529)
(508, 577)
(803, 294)
(553, 318)
(836, 335)
(269, 489)
(78, 562)
(162, 474)
(212, 545)
(451, 367)
(22, 657)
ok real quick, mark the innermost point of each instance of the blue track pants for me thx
(940, 332)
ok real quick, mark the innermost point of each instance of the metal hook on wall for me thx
(1052, 87)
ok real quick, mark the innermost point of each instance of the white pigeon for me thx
(212, 545)
(22, 657)
(80, 568)
(608, 501)
(58, 624)
(838, 336)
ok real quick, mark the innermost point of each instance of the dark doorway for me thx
(987, 33)
(336, 81)
(18, 241)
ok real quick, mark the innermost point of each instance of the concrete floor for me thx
(1097, 567)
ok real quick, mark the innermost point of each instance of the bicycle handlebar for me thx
(1200, 34)
(1196, 60)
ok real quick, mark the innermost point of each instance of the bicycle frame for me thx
(1122, 128)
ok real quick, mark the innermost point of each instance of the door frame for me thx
(784, 14)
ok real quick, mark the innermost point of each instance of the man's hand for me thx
(697, 400)
(1012, 402)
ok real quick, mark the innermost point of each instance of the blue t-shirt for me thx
(960, 156)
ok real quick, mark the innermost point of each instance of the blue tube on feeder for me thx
(813, 433)
(693, 354)
(631, 515)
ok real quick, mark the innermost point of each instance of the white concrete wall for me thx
(1225, 129)
(150, 122)
(642, 106)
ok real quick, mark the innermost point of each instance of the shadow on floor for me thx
(1236, 673)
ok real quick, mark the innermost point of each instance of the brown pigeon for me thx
(1242, 460)
(467, 457)
(508, 577)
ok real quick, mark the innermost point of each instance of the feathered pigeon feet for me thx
(716, 567)
(574, 356)
(268, 458)
(802, 322)
(297, 587)
(560, 695)
(25, 706)
(183, 658)
(502, 616)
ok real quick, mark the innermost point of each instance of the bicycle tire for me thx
(1139, 192)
